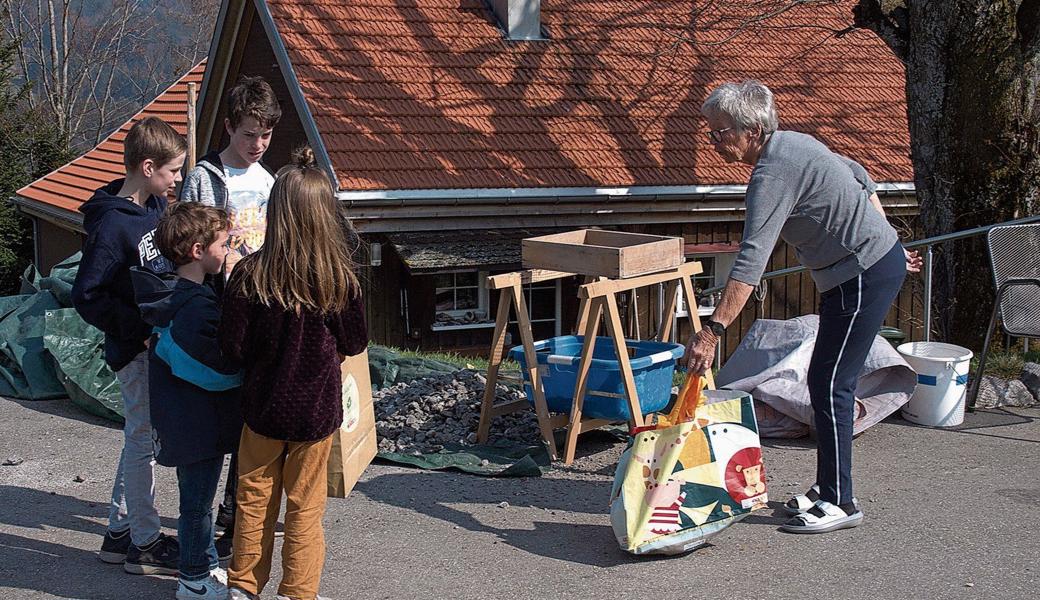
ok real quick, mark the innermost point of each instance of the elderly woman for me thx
(823, 205)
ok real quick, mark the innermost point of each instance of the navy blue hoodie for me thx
(191, 387)
(119, 236)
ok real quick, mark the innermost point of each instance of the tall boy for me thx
(195, 411)
(120, 220)
(235, 180)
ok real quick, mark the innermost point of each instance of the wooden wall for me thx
(791, 296)
(783, 298)
(385, 309)
(54, 244)
(383, 301)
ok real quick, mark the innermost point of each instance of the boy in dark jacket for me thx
(195, 413)
(120, 221)
(236, 180)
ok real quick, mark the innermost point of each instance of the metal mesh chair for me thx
(1014, 252)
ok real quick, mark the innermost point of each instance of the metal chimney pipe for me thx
(521, 19)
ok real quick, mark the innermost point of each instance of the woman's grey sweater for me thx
(816, 201)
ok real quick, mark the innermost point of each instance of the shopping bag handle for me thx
(680, 413)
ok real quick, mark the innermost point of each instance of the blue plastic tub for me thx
(652, 366)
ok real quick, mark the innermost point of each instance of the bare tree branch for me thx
(92, 63)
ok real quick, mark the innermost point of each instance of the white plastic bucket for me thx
(942, 377)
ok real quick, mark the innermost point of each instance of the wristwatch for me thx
(715, 327)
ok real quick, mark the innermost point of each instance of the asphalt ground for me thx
(950, 513)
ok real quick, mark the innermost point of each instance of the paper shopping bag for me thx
(677, 487)
(354, 443)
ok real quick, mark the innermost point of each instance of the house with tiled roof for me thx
(454, 128)
(53, 201)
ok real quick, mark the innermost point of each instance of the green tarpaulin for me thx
(388, 367)
(25, 371)
(488, 461)
(77, 350)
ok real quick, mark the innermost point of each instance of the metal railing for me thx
(926, 270)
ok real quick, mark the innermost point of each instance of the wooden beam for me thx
(191, 136)
(612, 286)
(590, 424)
(218, 63)
(558, 421)
(533, 374)
(665, 328)
(498, 343)
(624, 364)
(583, 306)
(506, 408)
(595, 307)
(695, 321)
(498, 282)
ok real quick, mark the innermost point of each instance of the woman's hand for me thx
(914, 262)
(700, 351)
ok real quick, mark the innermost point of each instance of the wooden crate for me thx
(594, 252)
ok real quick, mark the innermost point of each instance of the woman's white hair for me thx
(748, 103)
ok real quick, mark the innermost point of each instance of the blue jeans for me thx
(133, 493)
(850, 316)
(198, 486)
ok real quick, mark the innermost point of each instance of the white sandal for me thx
(803, 502)
(823, 518)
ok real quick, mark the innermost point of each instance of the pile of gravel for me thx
(422, 416)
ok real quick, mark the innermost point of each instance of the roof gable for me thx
(430, 96)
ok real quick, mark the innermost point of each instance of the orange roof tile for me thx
(430, 95)
(73, 184)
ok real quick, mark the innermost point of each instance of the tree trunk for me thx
(971, 73)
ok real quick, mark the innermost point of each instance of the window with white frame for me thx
(460, 299)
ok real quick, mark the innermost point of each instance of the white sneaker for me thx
(209, 588)
(237, 594)
(219, 574)
(281, 597)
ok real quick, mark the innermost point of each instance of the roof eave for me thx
(66, 219)
(467, 195)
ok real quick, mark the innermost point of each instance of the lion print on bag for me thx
(753, 484)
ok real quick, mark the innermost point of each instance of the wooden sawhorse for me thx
(597, 301)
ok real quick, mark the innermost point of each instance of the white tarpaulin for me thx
(772, 363)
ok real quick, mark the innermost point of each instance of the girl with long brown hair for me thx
(292, 311)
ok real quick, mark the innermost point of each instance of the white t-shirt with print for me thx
(248, 190)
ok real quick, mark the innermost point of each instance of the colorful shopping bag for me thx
(354, 443)
(677, 487)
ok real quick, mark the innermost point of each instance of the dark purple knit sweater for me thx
(292, 389)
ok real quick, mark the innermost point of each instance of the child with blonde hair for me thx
(292, 312)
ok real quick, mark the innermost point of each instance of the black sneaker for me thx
(225, 516)
(114, 547)
(224, 545)
(161, 557)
